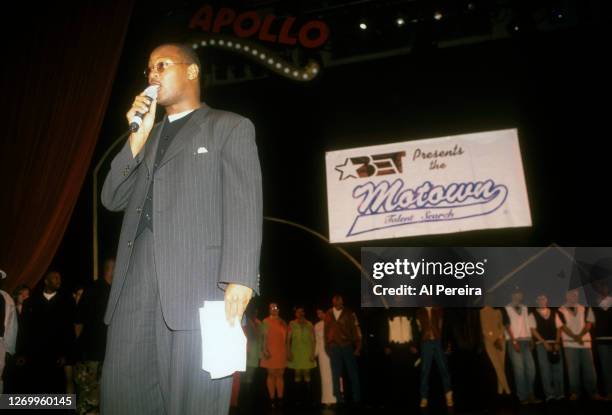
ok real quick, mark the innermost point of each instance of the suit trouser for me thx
(148, 368)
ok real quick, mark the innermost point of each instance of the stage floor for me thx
(556, 408)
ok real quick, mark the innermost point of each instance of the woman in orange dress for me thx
(274, 353)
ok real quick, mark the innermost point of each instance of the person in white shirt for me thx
(327, 387)
(575, 322)
(8, 328)
(518, 335)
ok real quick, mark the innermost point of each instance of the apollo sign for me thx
(268, 28)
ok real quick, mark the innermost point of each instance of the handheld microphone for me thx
(150, 92)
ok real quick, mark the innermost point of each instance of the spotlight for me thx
(438, 15)
(557, 15)
(400, 21)
(363, 25)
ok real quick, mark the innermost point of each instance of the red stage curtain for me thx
(57, 72)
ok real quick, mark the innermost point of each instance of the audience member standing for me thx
(575, 322)
(518, 334)
(274, 354)
(8, 328)
(548, 348)
(327, 388)
(491, 322)
(91, 339)
(49, 337)
(401, 334)
(301, 353)
(602, 332)
(430, 320)
(343, 344)
(16, 376)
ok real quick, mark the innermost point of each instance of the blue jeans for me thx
(343, 356)
(432, 350)
(580, 361)
(551, 374)
(605, 360)
(523, 369)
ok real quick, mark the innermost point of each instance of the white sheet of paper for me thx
(223, 347)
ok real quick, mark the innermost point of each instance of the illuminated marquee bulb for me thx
(305, 74)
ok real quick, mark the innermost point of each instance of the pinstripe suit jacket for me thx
(207, 212)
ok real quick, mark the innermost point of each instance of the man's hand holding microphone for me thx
(141, 118)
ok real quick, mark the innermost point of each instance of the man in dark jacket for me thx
(49, 336)
(343, 344)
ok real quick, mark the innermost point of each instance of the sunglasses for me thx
(161, 66)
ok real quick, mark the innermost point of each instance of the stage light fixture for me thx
(363, 25)
(400, 21)
(438, 15)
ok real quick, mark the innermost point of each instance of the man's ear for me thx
(193, 72)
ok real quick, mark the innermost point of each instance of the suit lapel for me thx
(191, 127)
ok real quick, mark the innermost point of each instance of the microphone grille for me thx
(151, 91)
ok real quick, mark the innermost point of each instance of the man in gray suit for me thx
(190, 189)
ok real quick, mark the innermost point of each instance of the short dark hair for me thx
(189, 54)
(19, 289)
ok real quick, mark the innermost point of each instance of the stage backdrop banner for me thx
(433, 186)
